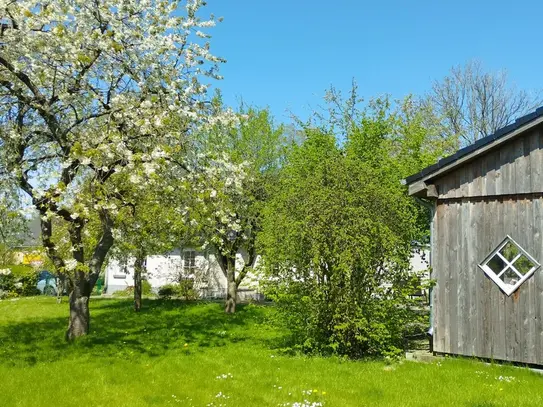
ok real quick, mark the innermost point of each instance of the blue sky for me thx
(284, 54)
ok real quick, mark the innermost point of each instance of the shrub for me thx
(184, 289)
(18, 281)
(146, 289)
(168, 291)
(337, 241)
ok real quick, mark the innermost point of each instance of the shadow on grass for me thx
(117, 331)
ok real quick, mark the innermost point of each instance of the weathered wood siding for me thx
(472, 316)
(514, 168)
(479, 204)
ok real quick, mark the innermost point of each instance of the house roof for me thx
(482, 145)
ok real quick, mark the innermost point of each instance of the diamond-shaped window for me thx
(509, 265)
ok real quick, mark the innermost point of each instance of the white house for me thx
(201, 267)
(187, 263)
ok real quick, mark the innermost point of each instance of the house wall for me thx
(499, 194)
(166, 269)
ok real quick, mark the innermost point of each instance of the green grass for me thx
(141, 360)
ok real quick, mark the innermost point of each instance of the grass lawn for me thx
(174, 353)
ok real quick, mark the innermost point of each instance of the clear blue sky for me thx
(284, 54)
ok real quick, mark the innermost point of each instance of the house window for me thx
(189, 262)
(509, 265)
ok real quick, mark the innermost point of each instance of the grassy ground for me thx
(194, 355)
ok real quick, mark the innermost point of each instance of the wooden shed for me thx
(487, 245)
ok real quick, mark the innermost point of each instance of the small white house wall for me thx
(165, 269)
(420, 261)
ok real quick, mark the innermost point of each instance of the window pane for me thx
(510, 277)
(189, 259)
(496, 264)
(523, 265)
(509, 251)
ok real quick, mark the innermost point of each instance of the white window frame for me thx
(507, 288)
(189, 270)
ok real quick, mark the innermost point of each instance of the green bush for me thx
(20, 282)
(336, 241)
(168, 291)
(146, 290)
(184, 289)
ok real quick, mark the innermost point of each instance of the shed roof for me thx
(482, 145)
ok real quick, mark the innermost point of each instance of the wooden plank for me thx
(526, 229)
(433, 262)
(507, 171)
(475, 186)
(470, 262)
(465, 176)
(521, 165)
(536, 161)
(453, 222)
(474, 249)
(489, 174)
(511, 303)
(537, 241)
(523, 312)
(498, 315)
(461, 280)
(484, 288)
(440, 272)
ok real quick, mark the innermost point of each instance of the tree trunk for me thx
(85, 278)
(138, 270)
(79, 322)
(232, 288)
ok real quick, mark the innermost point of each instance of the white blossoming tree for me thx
(86, 92)
(228, 186)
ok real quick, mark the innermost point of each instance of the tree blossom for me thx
(90, 92)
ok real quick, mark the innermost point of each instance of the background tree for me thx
(474, 103)
(148, 224)
(86, 93)
(230, 184)
(13, 224)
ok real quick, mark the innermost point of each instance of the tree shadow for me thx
(119, 332)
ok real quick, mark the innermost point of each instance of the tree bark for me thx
(61, 286)
(138, 271)
(79, 322)
(83, 282)
(231, 288)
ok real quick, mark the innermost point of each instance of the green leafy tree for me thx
(338, 231)
(13, 224)
(149, 223)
